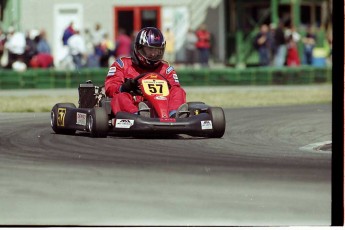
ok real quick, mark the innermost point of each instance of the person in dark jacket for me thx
(308, 46)
(262, 44)
(280, 46)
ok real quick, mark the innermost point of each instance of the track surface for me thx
(257, 174)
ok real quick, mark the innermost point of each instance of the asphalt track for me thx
(262, 172)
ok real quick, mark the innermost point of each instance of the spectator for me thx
(65, 60)
(308, 46)
(42, 44)
(68, 32)
(271, 33)
(293, 33)
(292, 52)
(77, 48)
(31, 39)
(92, 59)
(330, 43)
(97, 38)
(15, 45)
(123, 44)
(203, 44)
(3, 53)
(42, 60)
(169, 54)
(19, 65)
(262, 44)
(107, 48)
(280, 46)
(88, 41)
(191, 40)
(97, 35)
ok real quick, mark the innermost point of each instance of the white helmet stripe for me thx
(143, 39)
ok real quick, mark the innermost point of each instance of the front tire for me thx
(218, 122)
(54, 115)
(98, 122)
(194, 103)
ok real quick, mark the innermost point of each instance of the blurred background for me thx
(227, 21)
(200, 34)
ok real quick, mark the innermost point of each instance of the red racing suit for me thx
(124, 68)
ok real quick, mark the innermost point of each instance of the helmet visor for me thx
(152, 53)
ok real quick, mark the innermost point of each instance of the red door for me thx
(132, 19)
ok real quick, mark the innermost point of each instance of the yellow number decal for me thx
(158, 87)
(61, 117)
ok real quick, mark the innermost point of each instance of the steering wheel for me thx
(135, 82)
(137, 78)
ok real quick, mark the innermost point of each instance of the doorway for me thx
(64, 14)
(132, 19)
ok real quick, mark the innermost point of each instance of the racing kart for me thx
(94, 114)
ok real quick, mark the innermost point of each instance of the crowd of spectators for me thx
(93, 48)
(198, 46)
(88, 48)
(20, 51)
(277, 45)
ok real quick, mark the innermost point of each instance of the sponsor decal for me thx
(206, 124)
(112, 71)
(161, 98)
(81, 118)
(61, 116)
(167, 120)
(123, 123)
(157, 38)
(176, 78)
(152, 75)
(120, 62)
(169, 69)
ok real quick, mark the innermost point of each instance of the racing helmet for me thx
(149, 47)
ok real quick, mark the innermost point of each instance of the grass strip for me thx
(223, 98)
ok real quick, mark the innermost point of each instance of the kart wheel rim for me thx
(52, 118)
(90, 124)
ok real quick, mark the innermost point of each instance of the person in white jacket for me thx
(15, 45)
(77, 48)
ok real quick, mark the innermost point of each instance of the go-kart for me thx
(94, 114)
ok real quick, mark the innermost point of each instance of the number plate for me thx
(155, 87)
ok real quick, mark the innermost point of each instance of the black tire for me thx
(218, 122)
(191, 103)
(196, 107)
(98, 122)
(54, 119)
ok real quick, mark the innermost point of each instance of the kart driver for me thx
(147, 56)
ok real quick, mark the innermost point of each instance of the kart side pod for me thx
(67, 119)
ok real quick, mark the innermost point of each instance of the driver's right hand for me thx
(130, 86)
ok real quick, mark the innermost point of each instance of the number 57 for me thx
(156, 88)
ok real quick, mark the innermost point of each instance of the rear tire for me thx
(54, 119)
(218, 122)
(98, 122)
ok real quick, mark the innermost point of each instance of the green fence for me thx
(49, 78)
